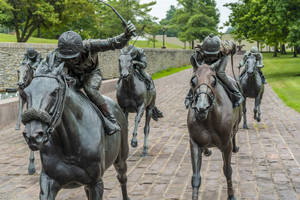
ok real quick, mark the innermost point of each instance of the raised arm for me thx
(118, 42)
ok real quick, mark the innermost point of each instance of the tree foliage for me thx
(50, 18)
(195, 19)
(268, 21)
(166, 22)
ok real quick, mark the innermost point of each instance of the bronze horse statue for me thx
(133, 96)
(212, 122)
(253, 87)
(68, 131)
(25, 75)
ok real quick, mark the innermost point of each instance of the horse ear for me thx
(42, 68)
(58, 70)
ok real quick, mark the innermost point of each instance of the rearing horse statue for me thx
(25, 75)
(133, 96)
(68, 131)
(212, 122)
(252, 87)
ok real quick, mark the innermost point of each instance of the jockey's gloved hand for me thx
(130, 29)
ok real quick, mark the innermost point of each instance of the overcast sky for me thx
(162, 6)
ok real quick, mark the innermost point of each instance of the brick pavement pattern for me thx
(266, 167)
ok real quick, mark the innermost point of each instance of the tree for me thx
(195, 19)
(131, 10)
(294, 37)
(26, 16)
(171, 31)
(263, 20)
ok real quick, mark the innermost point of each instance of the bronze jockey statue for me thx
(140, 63)
(215, 53)
(32, 58)
(254, 51)
(81, 63)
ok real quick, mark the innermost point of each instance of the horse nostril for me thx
(38, 137)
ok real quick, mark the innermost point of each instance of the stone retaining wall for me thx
(11, 54)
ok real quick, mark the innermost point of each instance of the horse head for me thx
(251, 65)
(25, 75)
(126, 62)
(45, 95)
(203, 84)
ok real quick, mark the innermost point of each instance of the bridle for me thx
(255, 64)
(52, 121)
(212, 96)
(131, 66)
(28, 70)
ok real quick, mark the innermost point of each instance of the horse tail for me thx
(156, 113)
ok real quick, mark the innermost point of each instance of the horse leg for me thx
(228, 170)
(235, 147)
(244, 115)
(31, 168)
(21, 104)
(140, 112)
(196, 155)
(121, 167)
(95, 191)
(146, 130)
(255, 109)
(257, 104)
(49, 187)
(126, 113)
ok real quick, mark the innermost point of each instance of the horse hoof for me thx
(207, 152)
(236, 149)
(144, 154)
(231, 198)
(134, 144)
(258, 119)
(31, 171)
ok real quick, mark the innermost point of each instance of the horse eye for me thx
(213, 81)
(194, 82)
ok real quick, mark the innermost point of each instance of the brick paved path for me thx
(267, 166)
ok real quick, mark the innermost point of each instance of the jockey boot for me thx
(188, 99)
(237, 96)
(111, 125)
(263, 78)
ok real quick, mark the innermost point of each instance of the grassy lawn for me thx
(168, 72)
(12, 38)
(283, 74)
(158, 44)
(143, 44)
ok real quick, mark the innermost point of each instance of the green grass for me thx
(12, 38)
(169, 71)
(283, 74)
(158, 44)
(143, 44)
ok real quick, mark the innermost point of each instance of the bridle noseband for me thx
(211, 96)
